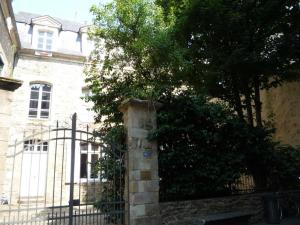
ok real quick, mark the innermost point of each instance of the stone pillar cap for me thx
(138, 102)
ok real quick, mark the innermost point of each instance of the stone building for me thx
(47, 56)
(281, 106)
(9, 45)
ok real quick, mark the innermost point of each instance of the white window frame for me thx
(36, 146)
(89, 153)
(40, 101)
(45, 39)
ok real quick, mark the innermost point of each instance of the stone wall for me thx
(7, 48)
(67, 80)
(174, 213)
(5, 99)
(282, 106)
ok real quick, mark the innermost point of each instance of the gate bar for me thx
(71, 199)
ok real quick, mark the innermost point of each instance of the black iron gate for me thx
(63, 175)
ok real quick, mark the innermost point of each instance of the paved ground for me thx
(287, 221)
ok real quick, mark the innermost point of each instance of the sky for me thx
(75, 10)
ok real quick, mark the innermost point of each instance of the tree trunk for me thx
(237, 101)
(257, 102)
(249, 106)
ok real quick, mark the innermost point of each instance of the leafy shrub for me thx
(204, 148)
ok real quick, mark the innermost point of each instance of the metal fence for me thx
(244, 185)
(63, 175)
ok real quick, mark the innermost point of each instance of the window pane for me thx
(86, 92)
(31, 147)
(46, 96)
(45, 146)
(45, 105)
(95, 147)
(49, 34)
(49, 41)
(83, 166)
(33, 104)
(32, 113)
(83, 146)
(41, 40)
(34, 95)
(44, 114)
(35, 87)
(26, 145)
(94, 169)
(39, 147)
(48, 47)
(46, 87)
(41, 33)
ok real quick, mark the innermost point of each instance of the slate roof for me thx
(25, 17)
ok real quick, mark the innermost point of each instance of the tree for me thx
(201, 149)
(205, 149)
(132, 51)
(237, 48)
(231, 49)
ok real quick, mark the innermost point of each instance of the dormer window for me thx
(45, 31)
(45, 40)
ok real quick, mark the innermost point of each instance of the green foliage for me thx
(235, 48)
(132, 45)
(226, 48)
(200, 147)
(111, 166)
(285, 171)
(205, 149)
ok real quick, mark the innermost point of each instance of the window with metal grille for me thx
(40, 97)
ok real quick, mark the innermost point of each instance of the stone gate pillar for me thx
(142, 182)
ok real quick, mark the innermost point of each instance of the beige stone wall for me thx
(282, 106)
(7, 49)
(7, 53)
(67, 81)
(5, 99)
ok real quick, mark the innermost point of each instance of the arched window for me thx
(40, 97)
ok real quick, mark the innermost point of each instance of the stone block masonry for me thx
(142, 181)
(174, 213)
